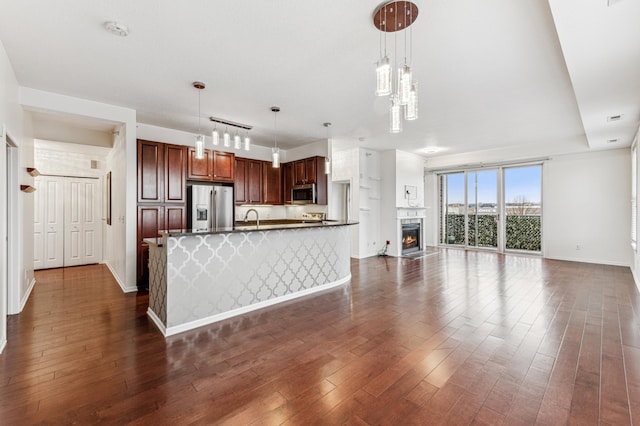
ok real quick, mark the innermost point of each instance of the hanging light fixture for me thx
(327, 159)
(237, 142)
(395, 16)
(411, 110)
(275, 151)
(215, 136)
(247, 142)
(199, 137)
(226, 138)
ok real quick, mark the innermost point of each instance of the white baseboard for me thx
(635, 279)
(595, 262)
(122, 285)
(3, 344)
(157, 321)
(26, 295)
(170, 331)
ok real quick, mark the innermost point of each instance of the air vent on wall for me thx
(614, 118)
(94, 164)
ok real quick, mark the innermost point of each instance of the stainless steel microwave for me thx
(304, 194)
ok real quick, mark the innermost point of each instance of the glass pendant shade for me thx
(275, 152)
(404, 84)
(237, 143)
(247, 143)
(411, 109)
(383, 77)
(226, 138)
(200, 147)
(216, 137)
(395, 122)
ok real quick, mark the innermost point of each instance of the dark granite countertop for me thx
(265, 225)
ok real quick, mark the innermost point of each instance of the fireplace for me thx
(411, 231)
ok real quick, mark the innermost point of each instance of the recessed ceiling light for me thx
(617, 117)
(117, 28)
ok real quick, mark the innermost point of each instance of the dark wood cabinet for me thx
(240, 194)
(271, 184)
(175, 174)
(254, 181)
(162, 184)
(200, 169)
(223, 166)
(248, 181)
(150, 171)
(287, 182)
(216, 166)
(310, 170)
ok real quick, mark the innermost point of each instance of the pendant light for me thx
(411, 110)
(226, 138)
(247, 142)
(395, 16)
(237, 142)
(327, 159)
(199, 137)
(275, 151)
(215, 136)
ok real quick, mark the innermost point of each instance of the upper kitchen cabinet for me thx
(150, 171)
(287, 182)
(216, 166)
(161, 172)
(248, 181)
(271, 183)
(311, 170)
(223, 166)
(175, 173)
(200, 169)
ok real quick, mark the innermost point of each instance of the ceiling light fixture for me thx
(275, 151)
(117, 28)
(392, 17)
(199, 137)
(237, 139)
(327, 159)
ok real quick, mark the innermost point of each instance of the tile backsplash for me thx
(280, 212)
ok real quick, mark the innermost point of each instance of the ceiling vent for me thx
(612, 140)
(614, 118)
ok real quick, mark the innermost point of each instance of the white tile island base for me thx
(200, 278)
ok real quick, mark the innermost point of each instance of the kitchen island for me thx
(200, 277)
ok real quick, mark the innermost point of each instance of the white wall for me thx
(319, 148)
(409, 172)
(586, 204)
(635, 256)
(69, 159)
(18, 127)
(345, 167)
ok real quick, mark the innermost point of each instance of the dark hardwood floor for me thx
(454, 338)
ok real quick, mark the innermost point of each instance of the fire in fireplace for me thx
(410, 237)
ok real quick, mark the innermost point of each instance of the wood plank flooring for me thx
(454, 338)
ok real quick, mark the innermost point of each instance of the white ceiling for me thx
(492, 74)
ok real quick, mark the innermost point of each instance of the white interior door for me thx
(53, 214)
(83, 236)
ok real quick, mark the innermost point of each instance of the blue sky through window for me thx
(520, 182)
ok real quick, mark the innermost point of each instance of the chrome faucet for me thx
(246, 216)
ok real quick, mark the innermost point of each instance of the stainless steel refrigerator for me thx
(209, 207)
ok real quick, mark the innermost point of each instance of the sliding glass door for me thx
(469, 209)
(493, 209)
(523, 208)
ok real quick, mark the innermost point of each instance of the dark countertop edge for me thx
(253, 228)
